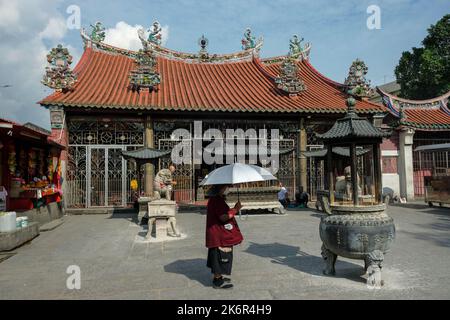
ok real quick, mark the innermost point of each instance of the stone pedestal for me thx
(161, 214)
(143, 207)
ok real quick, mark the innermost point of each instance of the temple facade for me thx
(116, 100)
(416, 123)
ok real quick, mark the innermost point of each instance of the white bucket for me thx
(24, 222)
(19, 222)
(8, 222)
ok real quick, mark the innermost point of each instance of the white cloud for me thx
(125, 36)
(32, 27)
(55, 29)
(9, 13)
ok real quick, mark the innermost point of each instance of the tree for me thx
(424, 73)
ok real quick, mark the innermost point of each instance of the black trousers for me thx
(220, 262)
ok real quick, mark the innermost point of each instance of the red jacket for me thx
(216, 233)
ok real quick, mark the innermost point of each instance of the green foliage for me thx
(424, 73)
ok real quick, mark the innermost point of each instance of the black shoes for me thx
(222, 283)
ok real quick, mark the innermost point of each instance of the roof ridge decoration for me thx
(153, 44)
(249, 41)
(289, 80)
(155, 35)
(98, 33)
(145, 76)
(203, 54)
(396, 104)
(58, 74)
(356, 80)
(296, 51)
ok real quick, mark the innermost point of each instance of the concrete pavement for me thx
(279, 259)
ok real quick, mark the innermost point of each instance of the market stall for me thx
(30, 166)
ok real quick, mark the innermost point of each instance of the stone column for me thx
(303, 161)
(149, 168)
(406, 169)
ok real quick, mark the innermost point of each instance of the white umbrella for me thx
(237, 173)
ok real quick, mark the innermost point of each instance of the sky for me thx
(337, 30)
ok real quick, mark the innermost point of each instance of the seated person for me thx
(301, 198)
(283, 196)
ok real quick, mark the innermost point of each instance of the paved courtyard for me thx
(280, 259)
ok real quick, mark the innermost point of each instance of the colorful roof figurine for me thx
(237, 82)
(422, 115)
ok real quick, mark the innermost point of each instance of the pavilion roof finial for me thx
(356, 81)
(203, 54)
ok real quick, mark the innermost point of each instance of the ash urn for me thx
(358, 226)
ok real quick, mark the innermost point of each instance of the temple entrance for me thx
(98, 176)
(107, 177)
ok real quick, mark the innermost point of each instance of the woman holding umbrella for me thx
(222, 234)
(222, 230)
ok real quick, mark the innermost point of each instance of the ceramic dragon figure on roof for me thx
(98, 33)
(249, 41)
(155, 33)
(295, 46)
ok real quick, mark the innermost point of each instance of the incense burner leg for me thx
(330, 261)
(374, 264)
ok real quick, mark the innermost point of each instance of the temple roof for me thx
(422, 115)
(244, 83)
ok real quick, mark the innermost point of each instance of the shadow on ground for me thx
(194, 269)
(129, 215)
(436, 232)
(294, 258)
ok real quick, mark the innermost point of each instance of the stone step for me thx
(52, 225)
(12, 240)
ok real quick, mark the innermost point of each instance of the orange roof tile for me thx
(238, 86)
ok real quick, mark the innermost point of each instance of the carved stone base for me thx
(143, 206)
(161, 215)
(374, 264)
(330, 261)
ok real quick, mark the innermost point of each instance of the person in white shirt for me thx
(283, 196)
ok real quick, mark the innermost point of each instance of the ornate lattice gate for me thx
(97, 175)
